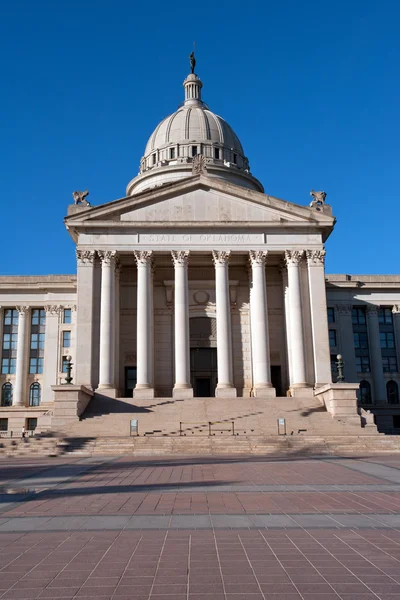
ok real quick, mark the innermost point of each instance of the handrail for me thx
(210, 424)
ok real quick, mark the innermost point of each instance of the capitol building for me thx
(197, 284)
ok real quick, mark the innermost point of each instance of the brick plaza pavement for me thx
(200, 528)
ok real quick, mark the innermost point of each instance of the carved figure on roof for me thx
(318, 198)
(80, 197)
(192, 62)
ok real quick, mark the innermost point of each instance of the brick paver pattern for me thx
(211, 563)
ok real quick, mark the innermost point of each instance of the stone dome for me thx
(193, 130)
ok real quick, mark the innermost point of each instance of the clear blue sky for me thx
(311, 87)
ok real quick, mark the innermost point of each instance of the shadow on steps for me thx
(101, 405)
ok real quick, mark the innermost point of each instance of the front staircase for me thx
(205, 427)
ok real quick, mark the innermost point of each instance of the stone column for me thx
(182, 387)
(84, 367)
(298, 378)
(107, 320)
(225, 386)
(319, 317)
(396, 327)
(287, 323)
(346, 342)
(52, 357)
(374, 343)
(259, 327)
(144, 335)
(21, 370)
(117, 340)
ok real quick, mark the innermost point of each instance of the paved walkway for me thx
(200, 529)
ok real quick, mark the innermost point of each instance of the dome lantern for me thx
(193, 85)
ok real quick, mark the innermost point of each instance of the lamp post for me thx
(68, 378)
(339, 366)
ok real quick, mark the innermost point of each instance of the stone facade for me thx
(197, 284)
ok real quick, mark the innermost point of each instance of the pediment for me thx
(198, 201)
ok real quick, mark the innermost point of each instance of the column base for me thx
(182, 392)
(143, 391)
(225, 392)
(109, 391)
(264, 391)
(301, 390)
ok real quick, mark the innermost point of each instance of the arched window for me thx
(392, 392)
(35, 393)
(365, 392)
(6, 394)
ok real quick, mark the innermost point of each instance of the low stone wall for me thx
(340, 400)
(70, 401)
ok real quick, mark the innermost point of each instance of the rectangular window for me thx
(3, 425)
(10, 341)
(360, 340)
(172, 153)
(154, 159)
(332, 337)
(216, 153)
(37, 341)
(358, 316)
(38, 317)
(66, 339)
(194, 150)
(235, 159)
(385, 316)
(387, 339)
(36, 365)
(389, 364)
(8, 366)
(64, 366)
(31, 423)
(331, 315)
(11, 317)
(333, 366)
(67, 317)
(362, 364)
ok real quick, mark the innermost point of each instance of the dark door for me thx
(203, 371)
(276, 379)
(202, 387)
(130, 381)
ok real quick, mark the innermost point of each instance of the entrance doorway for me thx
(203, 356)
(276, 379)
(203, 371)
(130, 381)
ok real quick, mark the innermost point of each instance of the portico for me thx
(243, 290)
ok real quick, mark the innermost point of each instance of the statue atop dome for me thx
(192, 62)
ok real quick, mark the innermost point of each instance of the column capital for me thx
(221, 257)
(396, 309)
(344, 309)
(180, 257)
(85, 256)
(316, 257)
(293, 257)
(53, 309)
(143, 257)
(107, 257)
(22, 310)
(258, 257)
(372, 310)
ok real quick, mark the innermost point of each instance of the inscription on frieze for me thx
(201, 238)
